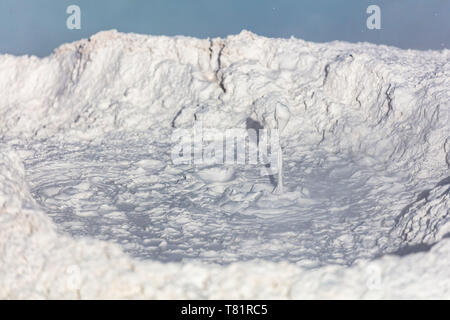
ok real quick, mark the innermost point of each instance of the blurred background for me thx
(39, 26)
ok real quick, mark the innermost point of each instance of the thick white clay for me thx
(92, 205)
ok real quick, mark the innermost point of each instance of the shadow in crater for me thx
(443, 182)
(421, 196)
(421, 247)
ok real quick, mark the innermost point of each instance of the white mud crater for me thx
(86, 140)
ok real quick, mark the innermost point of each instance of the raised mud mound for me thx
(91, 205)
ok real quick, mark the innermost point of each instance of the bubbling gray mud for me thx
(119, 191)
